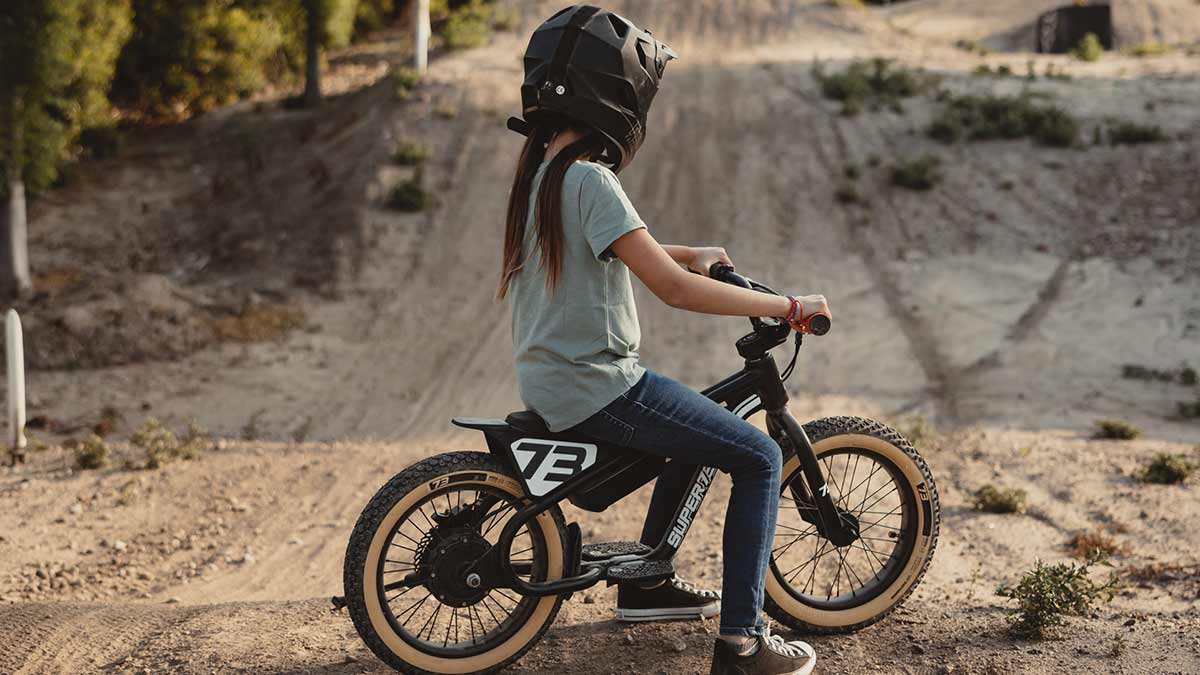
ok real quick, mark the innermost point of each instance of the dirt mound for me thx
(140, 256)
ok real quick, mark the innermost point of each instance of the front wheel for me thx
(878, 480)
(406, 572)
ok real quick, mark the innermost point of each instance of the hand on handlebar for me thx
(812, 306)
(706, 257)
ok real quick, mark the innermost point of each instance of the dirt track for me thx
(1002, 313)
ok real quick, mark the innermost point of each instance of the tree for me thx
(189, 56)
(56, 63)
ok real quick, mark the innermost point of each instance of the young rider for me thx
(571, 239)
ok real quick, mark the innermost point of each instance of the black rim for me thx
(415, 605)
(869, 487)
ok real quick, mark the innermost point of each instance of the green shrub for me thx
(468, 26)
(991, 499)
(404, 80)
(1132, 133)
(250, 430)
(972, 46)
(984, 118)
(92, 453)
(1049, 593)
(1116, 430)
(918, 174)
(192, 55)
(102, 142)
(409, 196)
(875, 83)
(1088, 49)
(1185, 375)
(846, 193)
(409, 153)
(1167, 469)
(1148, 49)
(1189, 410)
(161, 445)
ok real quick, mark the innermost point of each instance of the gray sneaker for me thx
(767, 655)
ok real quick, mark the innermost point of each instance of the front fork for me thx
(840, 528)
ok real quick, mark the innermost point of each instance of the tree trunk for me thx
(14, 247)
(421, 39)
(312, 65)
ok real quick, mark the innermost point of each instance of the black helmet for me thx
(595, 68)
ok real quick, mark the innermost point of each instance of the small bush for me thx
(1187, 376)
(919, 431)
(1054, 72)
(1148, 49)
(846, 193)
(991, 499)
(919, 174)
(404, 80)
(409, 196)
(250, 430)
(259, 324)
(92, 453)
(1047, 594)
(1117, 430)
(161, 445)
(1132, 371)
(102, 142)
(469, 26)
(972, 46)
(1167, 469)
(409, 153)
(505, 19)
(1189, 410)
(1084, 545)
(446, 112)
(1132, 133)
(1088, 49)
(875, 83)
(982, 118)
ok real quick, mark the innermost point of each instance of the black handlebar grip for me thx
(719, 269)
(819, 324)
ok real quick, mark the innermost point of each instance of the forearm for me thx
(697, 293)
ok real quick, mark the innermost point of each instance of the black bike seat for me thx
(527, 421)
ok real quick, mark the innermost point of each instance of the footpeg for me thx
(642, 570)
(612, 549)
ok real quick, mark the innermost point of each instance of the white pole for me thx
(421, 42)
(14, 354)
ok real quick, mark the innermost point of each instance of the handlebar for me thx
(817, 324)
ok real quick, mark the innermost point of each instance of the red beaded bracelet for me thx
(795, 310)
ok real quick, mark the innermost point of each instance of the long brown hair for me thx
(547, 214)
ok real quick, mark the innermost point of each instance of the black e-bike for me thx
(460, 562)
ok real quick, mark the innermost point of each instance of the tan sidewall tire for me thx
(493, 657)
(912, 570)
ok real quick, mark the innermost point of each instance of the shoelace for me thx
(689, 587)
(781, 646)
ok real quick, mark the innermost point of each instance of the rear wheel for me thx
(406, 572)
(876, 478)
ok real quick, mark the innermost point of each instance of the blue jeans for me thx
(661, 416)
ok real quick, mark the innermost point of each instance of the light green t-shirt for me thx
(576, 347)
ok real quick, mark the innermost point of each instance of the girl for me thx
(571, 239)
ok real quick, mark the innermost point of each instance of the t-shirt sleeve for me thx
(605, 210)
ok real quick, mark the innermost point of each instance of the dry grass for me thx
(1168, 469)
(258, 324)
(1084, 545)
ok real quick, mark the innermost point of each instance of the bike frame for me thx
(757, 386)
